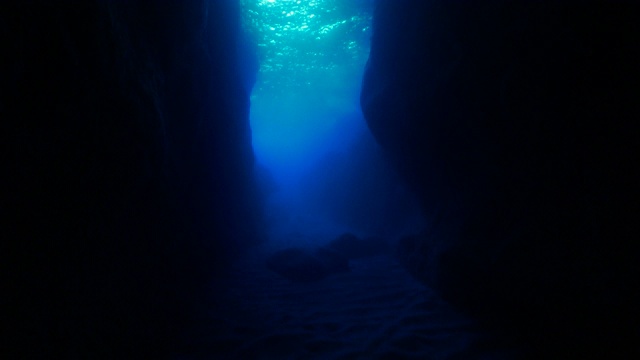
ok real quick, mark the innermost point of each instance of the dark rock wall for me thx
(126, 172)
(515, 122)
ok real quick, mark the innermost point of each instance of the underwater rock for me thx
(353, 247)
(409, 255)
(128, 168)
(302, 265)
(514, 125)
(332, 259)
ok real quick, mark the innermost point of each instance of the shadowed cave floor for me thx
(376, 311)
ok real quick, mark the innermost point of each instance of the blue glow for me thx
(311, 54)
(305, 113)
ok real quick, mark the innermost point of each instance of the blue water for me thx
(326, 173)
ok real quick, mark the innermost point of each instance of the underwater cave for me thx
(319, 179)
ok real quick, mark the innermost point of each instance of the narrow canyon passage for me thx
(319, 179)
(324, 175)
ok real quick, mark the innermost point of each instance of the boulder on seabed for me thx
(353, 247)
(302, 265)
(332, 259)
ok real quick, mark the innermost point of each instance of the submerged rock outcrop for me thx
(515, 122)
(127, 172)
(354, 247)
(304, 265)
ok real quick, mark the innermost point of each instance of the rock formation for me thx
(304, 265)
(127, 172)
(353, 247)
(515, 122)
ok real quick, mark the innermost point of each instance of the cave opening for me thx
(321, 169)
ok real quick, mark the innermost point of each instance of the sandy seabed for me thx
(375, 311)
